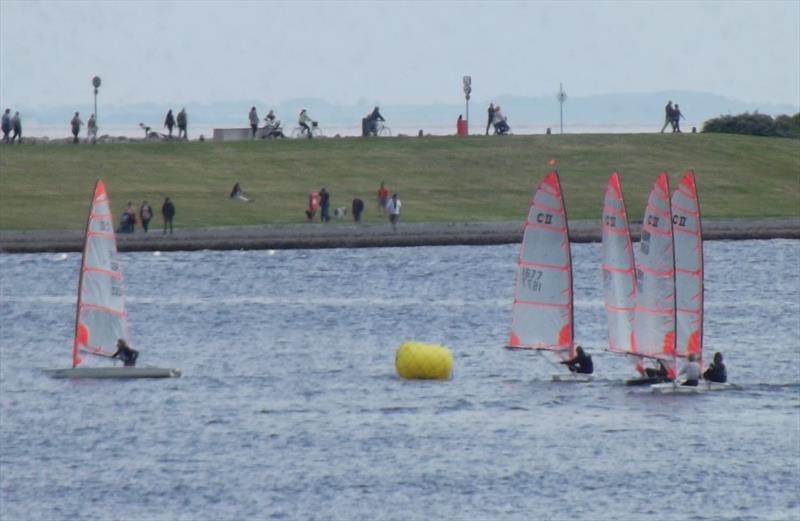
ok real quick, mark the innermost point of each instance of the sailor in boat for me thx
(581, 363)
(126, 353)
(659, 373)
(716, 371)
(692, 371)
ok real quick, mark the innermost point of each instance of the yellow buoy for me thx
(418, 360)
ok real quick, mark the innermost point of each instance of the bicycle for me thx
(382, 130)
(300, 132)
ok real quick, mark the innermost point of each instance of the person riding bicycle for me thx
(501, 127)
(272, 128)
(372, 121)
(303, 120)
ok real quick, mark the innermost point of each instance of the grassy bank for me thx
(438, 179)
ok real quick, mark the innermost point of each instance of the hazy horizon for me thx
(393, 53)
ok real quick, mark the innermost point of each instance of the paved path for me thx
(347, 235)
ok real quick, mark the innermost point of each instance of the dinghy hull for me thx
(702, 387)
(114, 372)
(577, 378)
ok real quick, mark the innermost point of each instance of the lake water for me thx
(290, 408)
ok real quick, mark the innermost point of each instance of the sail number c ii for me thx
(679, 220)
(544, 218)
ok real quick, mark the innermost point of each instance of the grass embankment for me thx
(438, 179)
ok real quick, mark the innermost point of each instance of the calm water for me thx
(289, 407)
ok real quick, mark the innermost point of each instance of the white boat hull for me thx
(571, 378)
(700, 388)
(114, 372)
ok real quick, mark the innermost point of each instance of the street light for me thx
(96, 82)
(562, 97)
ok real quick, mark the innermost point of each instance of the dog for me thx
(340, 212)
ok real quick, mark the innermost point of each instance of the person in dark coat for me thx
(16, 127)
(169, 122)
(145, 214)
(716, 371)
(324, 205)
(667, 115)
(168, 213)
(358, 208)
(6, 125)
(183, 122)
(491, 118)
(581, 363)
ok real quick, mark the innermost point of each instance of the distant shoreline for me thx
(348, 235)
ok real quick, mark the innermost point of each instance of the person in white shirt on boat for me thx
(716, 371)
(126, 353)
(580, 363)
(692, 371)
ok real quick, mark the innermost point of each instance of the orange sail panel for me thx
(101, 316)
(619, 269)
(542, 309)
(688, 267)
(654, 313)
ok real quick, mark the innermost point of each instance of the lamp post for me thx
(96, 82)
(467, 81)
(562, 97)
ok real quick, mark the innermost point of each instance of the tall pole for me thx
(96, 82)
(562, 97)
(467, 81)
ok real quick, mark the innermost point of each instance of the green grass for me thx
(438, 179)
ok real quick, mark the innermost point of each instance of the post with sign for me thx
(467, 80)
(562, 97)
(96, 83)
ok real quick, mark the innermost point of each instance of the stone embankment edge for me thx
(340, 235)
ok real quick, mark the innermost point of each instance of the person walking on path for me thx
(393, 206)
(16, 127)
(91, 129)
(6, 125)
(182, 124)
(169, 122)
(667, 115)
(168, 213)
(324, 205)
(253, 122)
(676, 118)
(145, 214)
(491, 118)
(76, 126)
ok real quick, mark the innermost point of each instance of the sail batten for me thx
(542, 308)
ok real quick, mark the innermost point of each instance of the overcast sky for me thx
(393, 52)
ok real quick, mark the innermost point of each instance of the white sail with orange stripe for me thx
(688, 267)
(101, 318)
(542, 310)
(619, 269)
(654, 314)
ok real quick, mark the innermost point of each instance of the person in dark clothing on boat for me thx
(659, 372)
(581, 363)
(126, 353)
(716, 371)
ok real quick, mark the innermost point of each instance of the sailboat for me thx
(101, 318)
(542, 313)
(654, 313)
(619, 276)
(689, 277)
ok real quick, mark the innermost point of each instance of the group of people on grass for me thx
(321, 201)
(129, 218)
(672, 116)
(12, 124)
(581, 363)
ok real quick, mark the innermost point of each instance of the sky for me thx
(205, 51)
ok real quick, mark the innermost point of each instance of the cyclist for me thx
(303, 120)
(373, 119)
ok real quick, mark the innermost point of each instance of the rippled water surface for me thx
(289, 407)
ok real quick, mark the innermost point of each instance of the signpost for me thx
(562, 97)
(96, 82)
(467, 80)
